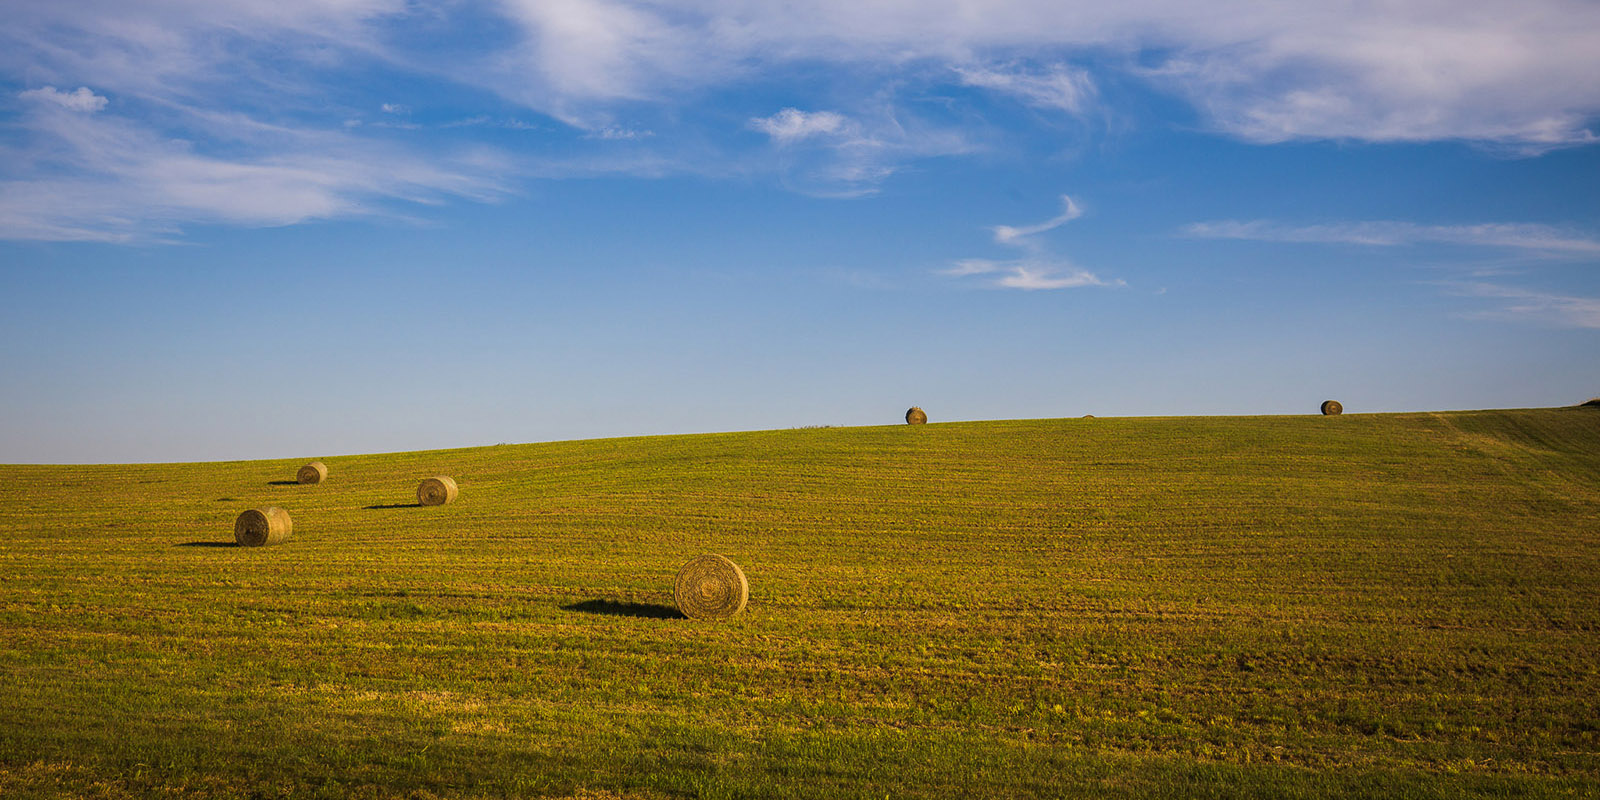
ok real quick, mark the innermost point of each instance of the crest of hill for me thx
(923, 462)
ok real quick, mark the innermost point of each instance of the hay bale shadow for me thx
(207, 544)
(283, 483)
(616, 609)
(394, 505)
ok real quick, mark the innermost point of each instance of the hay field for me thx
(1403, 605)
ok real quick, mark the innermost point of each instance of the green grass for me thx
(1405, 605)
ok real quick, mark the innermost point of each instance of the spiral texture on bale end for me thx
(916, 416)
(259, 527)
(315, 472)
(710, 587)
(1331, 408)
(436, 491)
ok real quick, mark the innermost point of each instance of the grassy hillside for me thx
(1403, 604)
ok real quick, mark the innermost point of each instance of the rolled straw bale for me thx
(1088, 416)
(710, 587)
(1331, 408)
(436, 491)
(315, 472)
(916, 416)
(259, 527)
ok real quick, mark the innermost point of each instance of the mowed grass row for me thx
(1397, 604)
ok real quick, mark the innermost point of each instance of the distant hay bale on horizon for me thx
(260, 527)
(710, 587)
(1331, 408)
(916, 416)
(1088, 416)
(436, 491)
(312, 473)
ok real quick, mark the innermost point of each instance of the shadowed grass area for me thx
(652, 610)
(1402, 604)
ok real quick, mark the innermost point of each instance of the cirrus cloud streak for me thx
(100, 177)
(1524, 305)
(1391, 233)
(1028, 274)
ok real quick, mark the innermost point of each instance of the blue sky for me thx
(235, 230)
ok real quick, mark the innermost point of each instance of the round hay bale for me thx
(1088, 416)
(259, 527)
(710, 587)
(916, 416)
(312, 473)
(1331, 408)
(436, 491)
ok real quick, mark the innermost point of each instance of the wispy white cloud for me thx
(1059, 87)
(617, 133)
(1028, 274)
(1521, 305)
(485, 121)
(1039, 271)
(1030, 278)
(1521, 236)
(574, 58)
(973, 266)
(82, 99)
(1008, 234)
(106, 178)
(1528, 240)
(185, 48)
(792, 125)
(830, 154)
(1415, 71)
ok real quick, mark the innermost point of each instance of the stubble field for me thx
(1404, 604)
